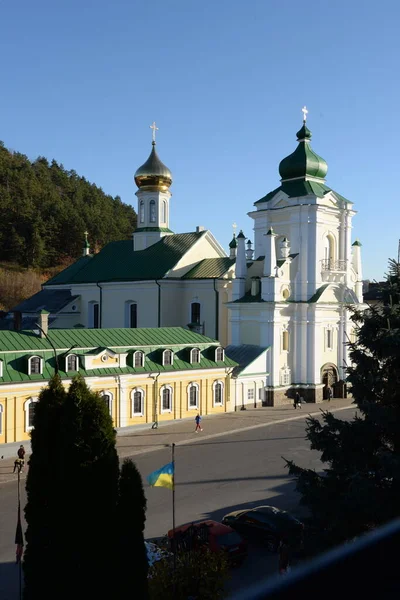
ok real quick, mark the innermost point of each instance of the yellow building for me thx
(144, 375)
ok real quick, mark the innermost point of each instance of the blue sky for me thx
(225, 81)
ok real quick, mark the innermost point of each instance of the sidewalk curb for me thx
(222, 434)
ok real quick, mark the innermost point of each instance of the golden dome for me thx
(153, 173)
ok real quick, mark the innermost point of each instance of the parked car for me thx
(267, 524)
(216, 536)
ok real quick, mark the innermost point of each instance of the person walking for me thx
(297, 400)
(329, 394)
(197, 420)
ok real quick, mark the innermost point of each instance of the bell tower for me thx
(153, 179)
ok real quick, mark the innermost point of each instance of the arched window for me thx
(164, 212)
(219, 354)
(166, 399)
(29, 408)
(141, 211)
(193, 396)
(218, 388)
(329, 251)
(1, 419)
(138, 359)
(133, 315)
(285, 340)
(168, 357)
(35, 365)
(94, 315)
(195, 313)
(195, 356)
(107, 398)
(152, 211)
(72, 363)
(137, 397)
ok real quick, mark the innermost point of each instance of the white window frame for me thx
(142, 212)
(163, 358)
(1, 368)
(30, 365)
(329, 334)
(111, 399)
(197, 388)
(216, 352)
(152, 205)
(286, 378)
(134, 358)
(171, 397)
(250, 394)
(1, 419)
(164, 209)
(27, 404)
(142, 396)
(219, 382)
(192, 361)
(67, 370)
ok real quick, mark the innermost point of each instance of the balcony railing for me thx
(328, 264)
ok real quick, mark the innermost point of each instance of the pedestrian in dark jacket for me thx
(197, 420)
(297, 400)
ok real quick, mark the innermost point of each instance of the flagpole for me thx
(19, 518)
(173, 514)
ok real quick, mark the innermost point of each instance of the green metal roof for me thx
(17, 347)
(70, 272)
(118, 262)
(158, 229)
(210, 268)
(299, 188)
(103, 338)
(318, 293)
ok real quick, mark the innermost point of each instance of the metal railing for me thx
(366, 568)
(328, 264)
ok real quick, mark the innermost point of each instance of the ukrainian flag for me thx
(164, 477)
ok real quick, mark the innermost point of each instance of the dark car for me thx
(214, 535)
(267, 524)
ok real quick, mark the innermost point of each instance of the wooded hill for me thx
(45, 210)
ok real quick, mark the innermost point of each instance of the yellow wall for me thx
(13, 398)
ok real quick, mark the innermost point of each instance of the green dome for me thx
(233, 243)
(303, 162)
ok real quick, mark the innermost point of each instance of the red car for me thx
(214, 535)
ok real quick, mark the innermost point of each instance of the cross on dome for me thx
(305, 113)
(154, 128)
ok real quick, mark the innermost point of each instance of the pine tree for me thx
(131, 516)
(42, 487)
(359, 488)
(89, 464)
(72, 496)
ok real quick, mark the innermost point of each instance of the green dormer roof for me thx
(303, 162)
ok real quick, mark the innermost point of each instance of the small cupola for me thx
(153, 174)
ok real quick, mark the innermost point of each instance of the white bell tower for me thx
(153, 179)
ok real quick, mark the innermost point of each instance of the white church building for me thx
(287, 289)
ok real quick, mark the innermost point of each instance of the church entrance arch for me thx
(330, 378)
